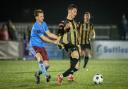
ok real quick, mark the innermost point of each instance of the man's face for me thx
(40, 17)
(73, 12)
(86, 17)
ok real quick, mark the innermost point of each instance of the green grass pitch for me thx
(20, 75)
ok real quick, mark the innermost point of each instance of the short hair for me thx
(37, 11)
(71, 6)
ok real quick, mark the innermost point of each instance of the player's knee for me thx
(75, 54)
(77, 66)
(82, 53)
(40, 61)
(39, 57)
(87, 52)
(46, 64)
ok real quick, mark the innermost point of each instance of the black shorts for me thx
(85, 46)
(70, 47)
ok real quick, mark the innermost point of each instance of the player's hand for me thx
(61, 46)
(67, 27)
(56, 42)
(61, 24)
(92, 36)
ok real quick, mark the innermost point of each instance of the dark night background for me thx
(103, 11)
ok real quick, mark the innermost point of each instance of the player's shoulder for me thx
(34, 25)
(44, 22)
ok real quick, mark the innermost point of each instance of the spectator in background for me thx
(26, 41)
(123, 28)
(4, 33)
(11, 30)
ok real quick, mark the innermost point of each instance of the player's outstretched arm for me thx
(46, 39)
(51, 35)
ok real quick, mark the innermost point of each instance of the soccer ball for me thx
(97, 78)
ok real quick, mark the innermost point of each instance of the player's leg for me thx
(46, 62)
(86, 57)
(41, 64)
(74, 66)
(42, 68)
(45, 59)
(38, 53)
(37, 74)
(73, 61)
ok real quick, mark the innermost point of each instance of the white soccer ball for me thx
(97, 78)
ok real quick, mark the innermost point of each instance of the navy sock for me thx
(85, 61)
(42, 68)
(46, 67)
(73, 71)
(67, 72)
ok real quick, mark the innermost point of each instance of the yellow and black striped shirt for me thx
(72, 35)
(85, 33)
